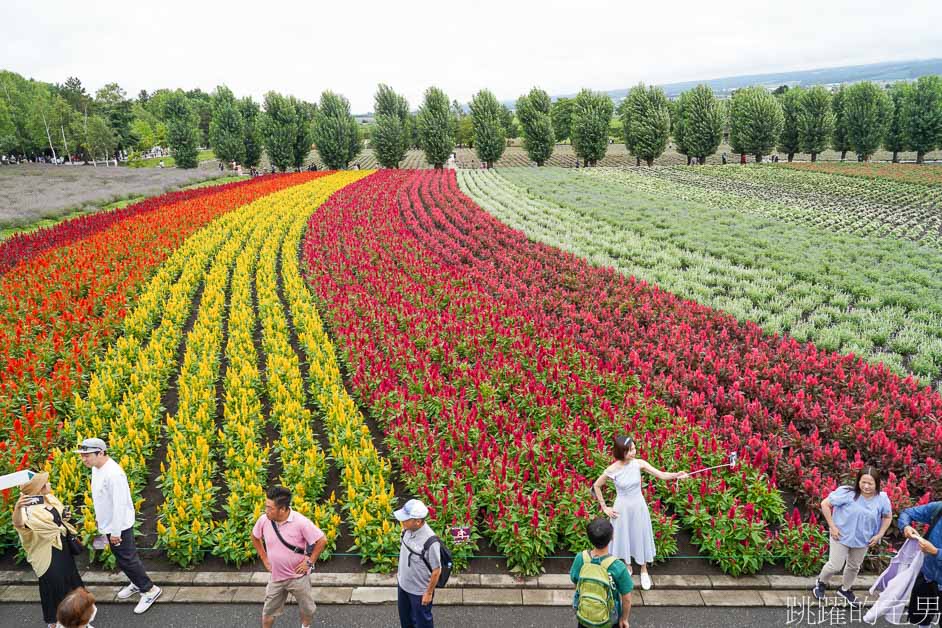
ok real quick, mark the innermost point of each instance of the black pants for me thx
(924, 603)
(411, 612)
(129, 562)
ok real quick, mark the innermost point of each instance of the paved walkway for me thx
(462, 590)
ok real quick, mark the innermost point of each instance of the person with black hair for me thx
(600, 533)
(634, 534)
(114, 515)
(858, 517)
(289, 545)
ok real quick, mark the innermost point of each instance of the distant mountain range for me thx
(891, 71)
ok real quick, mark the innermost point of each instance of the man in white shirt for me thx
(114, 514)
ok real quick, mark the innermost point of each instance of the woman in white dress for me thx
(634, 536)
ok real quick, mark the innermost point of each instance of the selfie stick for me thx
(733, 459)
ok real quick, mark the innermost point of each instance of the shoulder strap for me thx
(608, 562)
(293, 548)
(428, 543)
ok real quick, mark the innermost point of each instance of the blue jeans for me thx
(411, 612)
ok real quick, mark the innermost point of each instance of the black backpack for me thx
(443, 553)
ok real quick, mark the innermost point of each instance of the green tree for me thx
(252, 139)
(509, 122)
(225, 128)
(390, 139)
(304, 132)
(182, 130)
(924, 116)
(458, 114)
(434, 124)
(591, 114)
(7, 128)
(534, 111)
(335, 131)
(755, 122)
(896, 139)
(790, 141)
(561, 113)
(202, 105)
(840, 139)
(489, 133)
(111, 102)
(697, 123)
(867, 111)
(74, 93)
(705, 122)
(18, 94)
(279, 130)
(646, 120)
(143, 135)
(815, 121)
(101, 138)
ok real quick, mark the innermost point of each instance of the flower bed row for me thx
(367, 495)
(810, 416)
(63, 306)
(498, 420)
(21, 247)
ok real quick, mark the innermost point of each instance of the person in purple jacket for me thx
(924, 603)
(858, 517)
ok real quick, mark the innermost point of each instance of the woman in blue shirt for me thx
(924, 604)
(858, 517)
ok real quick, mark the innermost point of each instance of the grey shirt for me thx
(413, 575)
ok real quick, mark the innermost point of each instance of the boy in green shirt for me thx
(600, 535)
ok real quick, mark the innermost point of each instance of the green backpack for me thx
(595, 593)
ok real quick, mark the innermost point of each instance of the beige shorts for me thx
(276, 594)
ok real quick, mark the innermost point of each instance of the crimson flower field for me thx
(475, 339)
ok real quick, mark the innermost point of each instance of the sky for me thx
(507, 46)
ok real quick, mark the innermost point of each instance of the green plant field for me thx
(876, 297)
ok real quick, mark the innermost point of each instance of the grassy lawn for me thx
(204, 155)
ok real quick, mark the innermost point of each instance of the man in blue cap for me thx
(420, 566)
(114, 514)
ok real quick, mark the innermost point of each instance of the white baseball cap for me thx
(414, 509)
(91, 445)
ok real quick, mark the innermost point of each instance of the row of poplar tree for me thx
(861, 117)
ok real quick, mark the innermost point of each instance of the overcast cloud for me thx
(506, 46)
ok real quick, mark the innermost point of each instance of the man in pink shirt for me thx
(288, 544)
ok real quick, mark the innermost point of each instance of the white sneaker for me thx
(128, 591)
(645, 581)
(147, 599)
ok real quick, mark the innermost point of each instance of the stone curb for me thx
(208, 579)
(457, 596)
(464, 589)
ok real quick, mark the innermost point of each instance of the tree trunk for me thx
(920, 155)
(791, 156)
(66, 144)
(758, 158)
(650, 162)
(49, 137)
(843, 155)
(637, 161)
(814, 157)
(688, 159)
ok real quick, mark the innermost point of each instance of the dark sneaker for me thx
(819, 590)
(849, 596)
